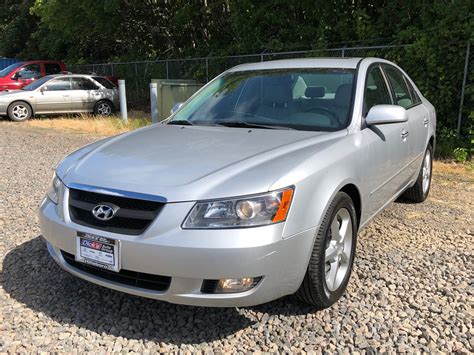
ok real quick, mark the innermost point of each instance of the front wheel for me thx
(332, 257)
(104, 108)
(19, 111)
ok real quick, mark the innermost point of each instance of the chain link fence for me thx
(138, 74)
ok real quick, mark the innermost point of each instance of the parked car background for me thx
(57, 94)
(21, 74)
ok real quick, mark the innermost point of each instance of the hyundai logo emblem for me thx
(104, 212)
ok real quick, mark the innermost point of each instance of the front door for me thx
(54, 96)
(387, 147)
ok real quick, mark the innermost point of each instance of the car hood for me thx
(11, 94)
(183, 163)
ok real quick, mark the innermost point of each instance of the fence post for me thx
(154, 102)
(123, 101)
(167, 70)
(466, 68)
(207, 69)
(343, 52)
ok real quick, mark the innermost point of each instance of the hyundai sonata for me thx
(254, 189)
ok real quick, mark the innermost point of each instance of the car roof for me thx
(73, 75)
(300, 63)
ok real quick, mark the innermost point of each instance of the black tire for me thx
(19, 111)
(418, 193)
(104, 108)
(314, 289)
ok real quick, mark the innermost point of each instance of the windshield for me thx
(314, 99)
(37, 83)
(8, 70)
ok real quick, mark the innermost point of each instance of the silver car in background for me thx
(254, 189)
(60, 94)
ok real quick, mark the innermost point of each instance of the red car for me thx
(20, 74)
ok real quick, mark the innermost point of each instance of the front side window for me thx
(30, 71)
(313, 99)
(83, 84)
(58, 84)
(399, 87)
(376, 91)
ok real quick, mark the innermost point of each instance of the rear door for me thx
(54, 96)
(388, 149)
(84, 94)
(418, 120)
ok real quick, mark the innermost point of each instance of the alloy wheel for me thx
(338, 249)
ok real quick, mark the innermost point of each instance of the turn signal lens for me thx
(236, 285)
(285, 203)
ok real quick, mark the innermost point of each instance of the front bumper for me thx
(191, 256)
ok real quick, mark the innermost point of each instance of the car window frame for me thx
(387, 86)
(98, 87)
(407, 83)
(19, 69)
(41, 88)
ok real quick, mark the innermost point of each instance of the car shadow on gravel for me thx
(31, 277)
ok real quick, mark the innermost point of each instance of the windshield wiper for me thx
(181, 122)
(243, 124)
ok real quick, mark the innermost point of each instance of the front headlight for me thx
(53, 192)
(248, 211)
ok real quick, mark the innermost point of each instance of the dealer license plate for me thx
(98, 251)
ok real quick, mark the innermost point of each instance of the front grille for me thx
(132, 218)
(125, 277)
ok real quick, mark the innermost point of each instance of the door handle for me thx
(405, 134)
(426, 120)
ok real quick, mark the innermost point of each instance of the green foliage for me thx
(460, 155)
(89, 31)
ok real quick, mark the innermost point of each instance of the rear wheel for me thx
(332, 257)
(104, 108)
(419, 192)
(19, 111)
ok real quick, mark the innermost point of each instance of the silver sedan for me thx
(254, 189)
(60, 94)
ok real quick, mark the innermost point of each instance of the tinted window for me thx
(399, 87)
(52, 68)
(312, 99)
(83, 84)
(376, 91)
(58, 84)
(104, 82)
(30, 71)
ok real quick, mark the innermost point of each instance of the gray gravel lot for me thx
(411, 289)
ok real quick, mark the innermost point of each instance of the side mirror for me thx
(176, 107)
(383, 114)
(15, 76)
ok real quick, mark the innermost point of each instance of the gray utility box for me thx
(172, 91)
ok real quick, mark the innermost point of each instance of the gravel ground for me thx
(411, 288)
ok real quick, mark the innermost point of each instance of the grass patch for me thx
(90, 124)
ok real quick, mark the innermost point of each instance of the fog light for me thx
(236, 285)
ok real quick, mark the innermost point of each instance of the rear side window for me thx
(83, 84)
(104, 82)
(376, 91)
(59, 84)
(52, 68)
(399, 87)
(414, 96)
